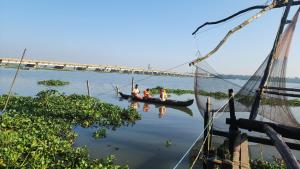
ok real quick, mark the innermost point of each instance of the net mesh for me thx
(272, 107)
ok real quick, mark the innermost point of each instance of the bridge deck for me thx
(102, 68)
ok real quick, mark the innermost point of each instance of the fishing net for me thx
(272, 107)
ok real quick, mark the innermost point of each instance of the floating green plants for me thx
(37, 132)
(53, 82)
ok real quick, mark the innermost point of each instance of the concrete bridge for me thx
(29, 63)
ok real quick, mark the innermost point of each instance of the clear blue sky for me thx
(138, 33)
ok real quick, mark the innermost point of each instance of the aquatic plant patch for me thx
(37, 132)
(221, 95)
(262, 164)
(53, 82)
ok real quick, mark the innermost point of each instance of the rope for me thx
(202, 146)
(150, 76)
(13, 82)
(189, 149)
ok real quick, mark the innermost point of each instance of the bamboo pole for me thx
(88, 88)
(254, 125)
(282, 88)
(254, 139)
(256, 103)
(132, 79)
(206, 126)
(233, 130)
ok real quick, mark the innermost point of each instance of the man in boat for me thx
(163, 94)
(136, 92)
(147, 94)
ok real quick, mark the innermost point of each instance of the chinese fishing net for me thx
(276, 108)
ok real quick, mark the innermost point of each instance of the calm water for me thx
(141, 145)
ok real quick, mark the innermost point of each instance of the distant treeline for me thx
(247, 77)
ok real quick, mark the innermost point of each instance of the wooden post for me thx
(206, 129)
(88, 88)
(211, 130)
(117, 89)
(233, 130)
(254, 125)
(287, 155)
(259, 140)
(132, 83)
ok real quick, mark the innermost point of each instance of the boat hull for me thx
(158, 101)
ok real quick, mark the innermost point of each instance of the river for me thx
(142, 145)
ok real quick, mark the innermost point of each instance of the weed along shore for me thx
(53, 82)
(37, 132)
(222, 95)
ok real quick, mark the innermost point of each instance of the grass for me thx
(53, 82)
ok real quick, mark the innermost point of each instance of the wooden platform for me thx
(241, 153)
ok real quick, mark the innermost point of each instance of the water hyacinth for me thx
(37, 132)
(53, 83)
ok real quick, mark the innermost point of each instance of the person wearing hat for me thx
(136, 92)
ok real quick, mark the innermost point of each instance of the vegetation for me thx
(53, 83)
(156, 90)
(221, 95)
(217, 95)
(168, 143)
(101, 133)
(261, 164)
(37, 132)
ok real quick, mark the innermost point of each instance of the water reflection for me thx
(162, 111)
(135, 105)
(146, 107)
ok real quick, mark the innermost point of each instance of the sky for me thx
(139, 32)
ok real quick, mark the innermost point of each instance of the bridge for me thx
(40, 64)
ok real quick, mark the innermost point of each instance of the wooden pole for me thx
(282, 88)
(266, 74)
(283, 149)
(206, 129)
(211, 129)
(282, 94)
(254, 125)
(88, 88)
(206, 126)
(254, 139)
(233, 130)
(117, 89)
(132, 79)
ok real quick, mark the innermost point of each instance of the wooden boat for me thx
(158, 101)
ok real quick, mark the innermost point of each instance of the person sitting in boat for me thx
(136, 92)
(163, 94)
(147, 93)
